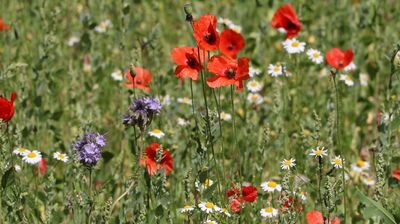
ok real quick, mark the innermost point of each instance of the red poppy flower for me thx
(396, 174)
(286, 18)
(339, 59)
(188, 62)
(289, 204)
(316, 217)
(205, 32)
(141, 79)
(228, 72)
(7, 108)
(236, 204)
(43, 166)
(249, 194)
(150, 160)
(231, 43)
(3, 26)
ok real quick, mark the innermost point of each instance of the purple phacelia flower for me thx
(88, 148)
(142, 111)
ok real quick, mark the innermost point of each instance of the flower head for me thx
(202, 186)
(254, 86)
(293, 46)
(225, 116)
(117, 75)
(231, 43)
(140, 79)
(339, 59)
(88, 148)
(286, 18)
(315, 56)
(269, 212)
(72, 41)
(186, 209)
(337, 162)
(271, 186)
(360, 166)
(33, 157)
(205, 32)
(209, 207)
(7, 108)
(319, 152)
(185, 100)
(347, 79)
(255, 98)
(228, 72)
(3, 26)
(21, 151)
(187, 61)
(275, 70)
(142, 111)
(208, 221)
(351, 67)
(151, 161)
(369, 181)
(103, 26)
(287, 164)
(61, 156)
(253, 71)
(156, 133)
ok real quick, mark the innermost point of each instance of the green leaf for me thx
(208, 192)
(395, 123)
(7, 177)
(374, 208)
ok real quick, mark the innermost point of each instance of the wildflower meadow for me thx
(214, 112)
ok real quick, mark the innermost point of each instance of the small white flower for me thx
(185, 100)
(17, 168)
(351, 67)
(236, 28)
(315, 56)
(210, 222)
(337, 162)
(156, 133)
(275, 70)
(360, 166)
(181, 122)
(165, 100)
(302, 195)
(271, 186)
(347, 79)
(369, 181)
(319, 152)
(225, 21)
(103, 26)
(186, 209)
(73, 41)
(117, 75)
(32, 157)
(286, 164)
(269, 212)
(225, 116)
(209, 207)
(61, 156)
(254, 86)
(21, 151)
(293, 46)
(255, 98)
(254, 71)
(226, 212)
(364, 79)
(202, 186)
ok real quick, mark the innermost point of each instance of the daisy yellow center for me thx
(254, 97)
(31, 155)
(209, 205)
(277, 69)
(268, 210)
(224, 210)
(348, 78)
(272, 184)
(253, 84)
(318, 152)
(360, 163)
(21, 150)
(103, 25)
(156, 131)
(210, 222)
(337, 161)
(369, 179)
(119, 74)
(187, 206)
(287, 163)
(186, 100)
(315, 55)
(295, 44)
(61, 156)
(223, 115)
(207, 182)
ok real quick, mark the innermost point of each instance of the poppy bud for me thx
(188, 11)
(132, 71)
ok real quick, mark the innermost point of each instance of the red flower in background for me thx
(339, 59)
(205, 32)
(316, 217)
(231, 43)
(286, 18)
(3, 26)
(249, 194)
(141, 79)
(43, 166)
(228, 72)
(396, 174)
(292, 205)
(7, 108)
(150, 160)
(188, 62)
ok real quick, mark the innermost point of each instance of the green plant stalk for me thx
(90, 197)
(234, 132)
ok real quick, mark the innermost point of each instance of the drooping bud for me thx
(188, 11)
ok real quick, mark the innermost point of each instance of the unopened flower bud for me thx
(188, 11)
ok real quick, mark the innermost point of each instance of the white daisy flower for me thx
(165, 100)
(271, 186)
(186, 209)
(275, 70)
(337, 162)
(117, 75)
(32, 157)
(254, 86)
(302, 195)
(293, 46)
(181, 122)
(209, 207)
(269, 212)
(360, 166)
(236, 28)
(225, 116)
(202, 186)
(21, 151)
(364, 79)
(103, 26)
(17, 168)
(185, 100)
(347, 79)
(254, 71)
(156, 133)
(210, 222)
(226, 212)
(351, 67)
(72, 41)
(61, 156)
(315, 56)
(225, 21)
(369, 181)
(319, 152)
(287, 164)
(255, 98)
